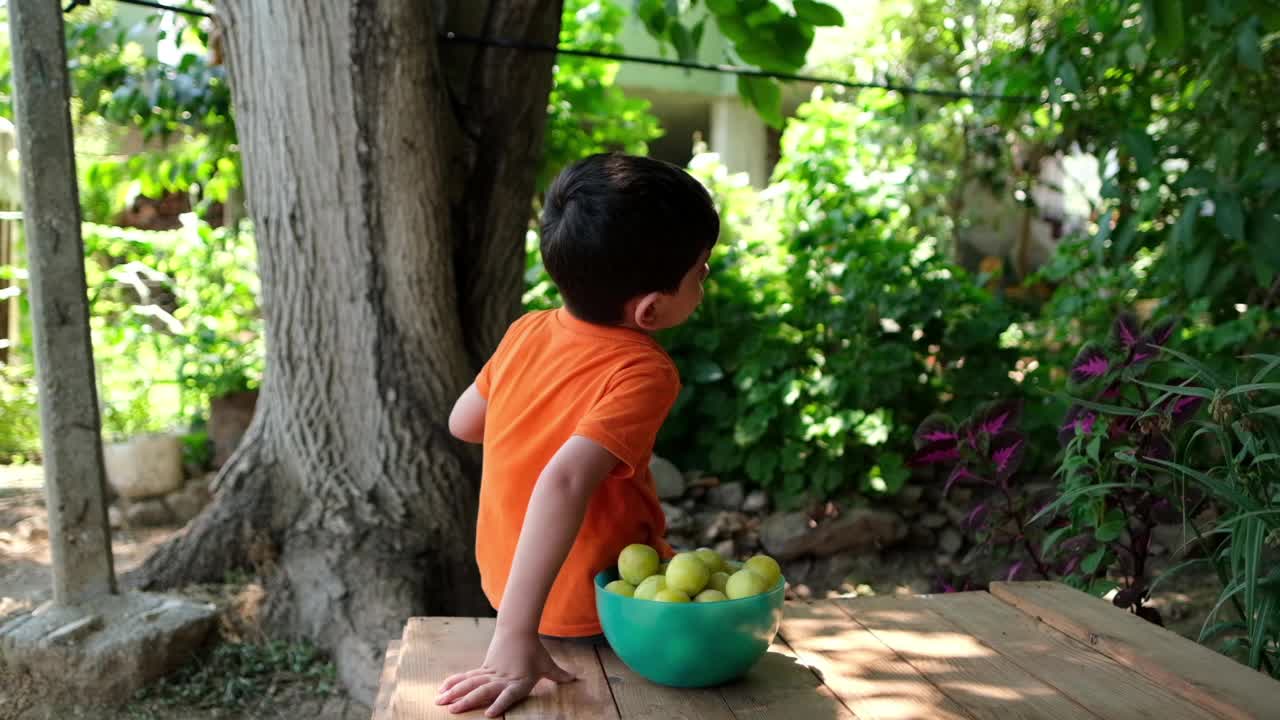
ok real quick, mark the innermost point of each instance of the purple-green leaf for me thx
(1007, 452)
(936, 428)
(997, 417)
(1091, 363)
(1126, 330)
(936, 454)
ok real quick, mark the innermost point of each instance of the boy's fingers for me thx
(457, 678)
(478, 697)
(462, 688)
(513, 694)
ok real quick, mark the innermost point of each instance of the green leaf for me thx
(1091, 561)
(1070, 77)
(706, 371)
(1109, 531)
(1168, 27)
(817, 13)
(1248, 46)
(1183, 229)
(1187, 391)
(722, 7)
(761, 464)
(765, 95)
(1050, 544)
(682, 41)
(1139, 145)
(1197, 270)
(1229, 214)
(1095, 448)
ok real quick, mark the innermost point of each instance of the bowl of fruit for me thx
(697, 621)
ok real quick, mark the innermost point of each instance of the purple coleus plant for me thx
(1119, 421)
(986, 451)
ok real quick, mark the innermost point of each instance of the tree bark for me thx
(390, 212)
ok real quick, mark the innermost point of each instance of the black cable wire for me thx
(147, 4)
(459, 38)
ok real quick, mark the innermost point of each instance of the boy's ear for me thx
(645, 312)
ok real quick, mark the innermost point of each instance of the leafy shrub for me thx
(1099, 519)
(830, 327)
(173, 311)
(20, 429)
(1232, 462)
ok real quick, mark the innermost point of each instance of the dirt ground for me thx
(244, 677)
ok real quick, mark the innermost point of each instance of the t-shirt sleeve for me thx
(626, 419)
(484, 380)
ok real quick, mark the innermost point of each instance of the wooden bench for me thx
(1025, 650)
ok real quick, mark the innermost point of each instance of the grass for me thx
(237, 677)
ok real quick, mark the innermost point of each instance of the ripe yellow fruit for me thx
(718, 581)
(649, 587)
(621, 587)
(710, 595)
(637, 562)
(672, 596)
(767, 568)
(687, 573)
(745, 583)
(710, 558)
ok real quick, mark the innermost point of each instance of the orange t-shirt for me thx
(552, 377)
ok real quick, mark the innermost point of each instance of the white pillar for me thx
(740, 137)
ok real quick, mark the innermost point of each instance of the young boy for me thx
(568, 409)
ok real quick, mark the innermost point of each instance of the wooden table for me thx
(1026, 650)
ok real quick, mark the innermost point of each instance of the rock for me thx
(678, 521)
(148, 513)
(229, 418)
(922, 537)
(667, 478)
(680, 543)
(788, 535)
(104, 656)
(115, 517)
(33, 528)
(727, 496)
(933, 520)
(781, 532)
(950, 541)
(187, 504)
(719, 526)
(757, 502)
(145, 466)
(909, 496)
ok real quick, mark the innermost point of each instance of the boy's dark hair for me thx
(618, 226)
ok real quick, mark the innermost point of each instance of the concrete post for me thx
(70, 427)
(739, 136)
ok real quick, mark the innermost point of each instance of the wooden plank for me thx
(781, 687)
(1090, 678)
(587, 697)
(387, 683)
(1200, 675)
(866, 675)
(432, 650)
(638, 698)
(982, 681)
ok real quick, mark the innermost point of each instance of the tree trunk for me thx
(390, 214)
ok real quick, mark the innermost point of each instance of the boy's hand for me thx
(512, 667)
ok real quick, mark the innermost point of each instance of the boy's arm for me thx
(517, 659)
(466, 422)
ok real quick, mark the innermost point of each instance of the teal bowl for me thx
(689, 645)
